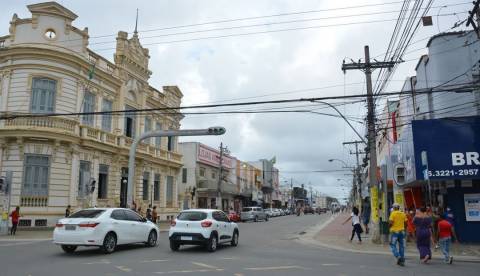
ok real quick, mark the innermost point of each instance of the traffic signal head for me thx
(92, 185)
(216, 130)
(3, 184)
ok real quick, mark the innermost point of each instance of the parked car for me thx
(277, 212)
(105, 228)
(308, 210)
(233, 216)
(253, 213)
(270, 213)
(202, 227)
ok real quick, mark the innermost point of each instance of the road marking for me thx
(205, 265)
(228, 258)
(238, 274)
(275, 267)
(188, 271)
(19, 243)
(330, 264)
(103, 261)
(154, 261)
(124, 268)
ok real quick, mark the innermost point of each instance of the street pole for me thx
(367, 67)
(160, 133)
(357, 169)
(219, 185)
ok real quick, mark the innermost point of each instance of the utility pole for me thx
(223, 150)
(367, 67)
(475, 12)
(219, 185)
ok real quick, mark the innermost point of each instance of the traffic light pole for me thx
(367, 67)
(161, 133)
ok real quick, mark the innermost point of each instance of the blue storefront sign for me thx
(447, 148)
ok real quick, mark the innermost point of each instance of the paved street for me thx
(266, 248)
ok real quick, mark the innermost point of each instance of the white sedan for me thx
(105, 228)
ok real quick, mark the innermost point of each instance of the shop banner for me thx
(472, 207)
(374, 204)
(447, 148)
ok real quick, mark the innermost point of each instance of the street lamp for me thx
(161, 133)
(339, 160)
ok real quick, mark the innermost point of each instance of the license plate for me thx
(70, 227)
(186, 238)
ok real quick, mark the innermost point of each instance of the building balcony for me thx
(71, 127)
(54, 124)
(33, 201)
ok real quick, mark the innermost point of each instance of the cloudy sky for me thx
(254, 50)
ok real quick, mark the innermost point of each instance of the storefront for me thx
(447, 164)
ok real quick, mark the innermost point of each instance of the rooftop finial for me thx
(136, 24)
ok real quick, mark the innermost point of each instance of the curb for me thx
(309, 239)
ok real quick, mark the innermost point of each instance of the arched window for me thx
(43, 95)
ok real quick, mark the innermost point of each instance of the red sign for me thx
(212, 157)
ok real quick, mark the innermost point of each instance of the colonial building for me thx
(46, 67)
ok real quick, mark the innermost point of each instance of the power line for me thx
(31, 115)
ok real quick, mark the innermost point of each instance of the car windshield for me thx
(246, 209)
(192, 216)
(87, 214)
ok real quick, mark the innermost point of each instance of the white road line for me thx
(330, 264)
(18, 243)
(275, 267)
(188, 271)
(205, 265)
(124, 268)
(228, 258)
(154, 261)
(103, 261)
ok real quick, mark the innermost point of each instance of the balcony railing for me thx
(54, 123)
(34, 201)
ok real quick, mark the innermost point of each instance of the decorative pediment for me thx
(52, 8)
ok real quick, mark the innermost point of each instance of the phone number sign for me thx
(447, 148)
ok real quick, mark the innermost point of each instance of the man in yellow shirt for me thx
(397, 223)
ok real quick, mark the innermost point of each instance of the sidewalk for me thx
(333, 234)
(32, 234)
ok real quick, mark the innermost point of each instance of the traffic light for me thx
(91, 186)
(216, 130)
(3, 185)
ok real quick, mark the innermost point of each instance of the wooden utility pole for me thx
(475, 12)
(367, 68)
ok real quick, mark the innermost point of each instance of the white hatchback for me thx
(104, 227)
(202, 227)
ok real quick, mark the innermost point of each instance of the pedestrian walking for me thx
(397, 223)
(149, 214)
(15, 218)
(154, 214)
(357, 228)
(68, 211)
(366, 212)
(423, 229)
(410, 225)
(445, 234)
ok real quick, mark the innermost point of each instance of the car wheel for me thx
(174, 246)
(69, 248)
(266, 218)
(234, 241)
(212, 243)
(152, 239)
(256, 219)
(109, 243)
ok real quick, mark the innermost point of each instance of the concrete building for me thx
(201, 174)
(268, 178)
(47, 67)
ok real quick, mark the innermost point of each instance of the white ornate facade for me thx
(46, 67)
